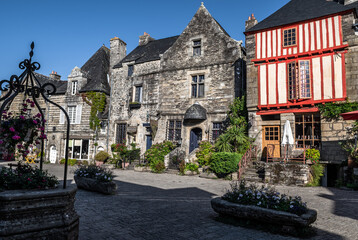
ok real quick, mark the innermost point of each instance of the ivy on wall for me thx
(332, 111)
(97, 101)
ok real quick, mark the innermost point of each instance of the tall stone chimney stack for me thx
(55, 76)
(144, 39)
(250, 22)
(118, 50)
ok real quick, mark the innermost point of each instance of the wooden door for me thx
(271, 141)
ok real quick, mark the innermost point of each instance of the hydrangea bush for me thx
(265, 197)
(26, 177)
(95, 172)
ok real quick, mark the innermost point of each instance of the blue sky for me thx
(67, 32)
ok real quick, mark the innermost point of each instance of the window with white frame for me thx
(74, 87)
(78, 148)
(299, 80)
(197, 47)
(72, 114)
(197, 86)
(138, 94)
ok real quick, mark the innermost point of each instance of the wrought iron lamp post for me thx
(31, 87)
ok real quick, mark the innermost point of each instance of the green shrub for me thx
(316, 172)
(224, 163)
(26, 177)
(203, 156)
(70, 162)
(156, 154)
(192, 167)
(122, 153)
(101, 156)
(313, 155)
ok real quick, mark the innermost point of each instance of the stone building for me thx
(302, 55)
(177, 88)
(91, 77)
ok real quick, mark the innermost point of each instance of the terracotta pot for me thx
(98, 163)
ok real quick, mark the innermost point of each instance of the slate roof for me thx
(148, 52)
(96, 70)
(195, 112)
(301, 10)
(61, 85)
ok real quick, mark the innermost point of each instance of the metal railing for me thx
(246, 159)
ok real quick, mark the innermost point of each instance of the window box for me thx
(134, 105)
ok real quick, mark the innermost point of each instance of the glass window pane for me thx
(201, 90)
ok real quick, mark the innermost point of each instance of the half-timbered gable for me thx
(298, 58)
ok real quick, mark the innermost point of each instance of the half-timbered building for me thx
(302, 55)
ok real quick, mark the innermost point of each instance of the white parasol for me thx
(287, 134)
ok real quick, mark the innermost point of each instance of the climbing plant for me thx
(97, 101)
(332, 111)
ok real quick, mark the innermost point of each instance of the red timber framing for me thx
(318, 41)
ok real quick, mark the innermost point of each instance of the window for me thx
(78, 148)
(289, 37)
(72, 114)
(130, 70)
(299, 80)
(217, 130)
(121, 133)
(196, 47)
(138, 94)
(307, 131)
(174, 130)
(197, 86)
(74, 87)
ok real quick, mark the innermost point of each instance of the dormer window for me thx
(197, 47)
(74, 87)
(130, 70)
(289, 37)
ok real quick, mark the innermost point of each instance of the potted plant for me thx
(95, 178)
(101, 157)
(264, 204)
(33, 205)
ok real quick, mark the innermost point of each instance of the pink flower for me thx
(34, 121)
(32, 104)
(12, 129)
(16, 137)
(22, 117)
(1, 142)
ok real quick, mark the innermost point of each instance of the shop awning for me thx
(350, 115)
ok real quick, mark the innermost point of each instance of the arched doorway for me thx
(53, 154)
(195, 137)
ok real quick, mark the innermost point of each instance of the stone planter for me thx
(96, 186)
(263, 214)
(39, 214)
(190, 173)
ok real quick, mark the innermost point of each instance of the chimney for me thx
(55, 76)
(118, 50)
(144, 39)
(346, 2)
(250, 22)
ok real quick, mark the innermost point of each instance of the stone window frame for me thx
(198, 83)
(191, 45)
(74, 87)
(176, 130)
(206, 73)
(216, 130)
(130, 70)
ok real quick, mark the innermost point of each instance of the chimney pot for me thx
(55, 76)
(144, 39)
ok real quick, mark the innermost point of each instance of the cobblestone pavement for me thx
(167, 206)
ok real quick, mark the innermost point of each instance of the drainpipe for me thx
(109, 111)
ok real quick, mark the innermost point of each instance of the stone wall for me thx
(287, 174)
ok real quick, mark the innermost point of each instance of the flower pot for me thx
(352, 163)
(251, 212)
(99, 163)
(91, 184)
(39, 214)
